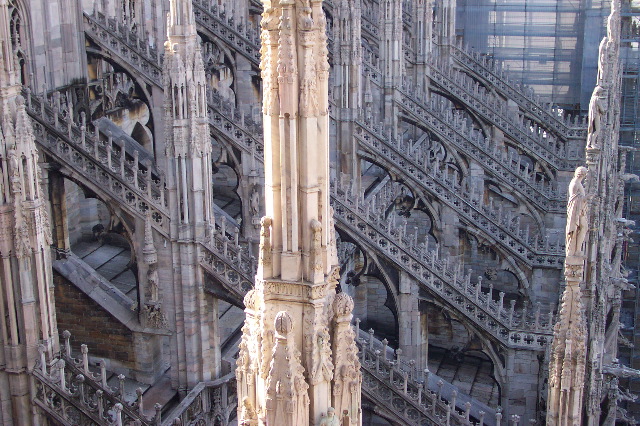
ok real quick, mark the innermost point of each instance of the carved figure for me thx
(596, 111)
(254, 202)
(576, 214)
(265, 242)
(316, 246)
(603, 59)
(330, 419)
(249, 417)
(152, 280)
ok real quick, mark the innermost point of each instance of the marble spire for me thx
(297, 356)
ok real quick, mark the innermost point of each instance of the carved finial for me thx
(251, 300)
(149, 250)
(343, 304)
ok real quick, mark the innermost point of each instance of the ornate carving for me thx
(264, 258)
(322, 366)
(152, 283)
(154, 316)
(248, 415)
(576, 230)
(330, 419)
(316, 267)
(347, 376)
(287, 399)
(596, 112)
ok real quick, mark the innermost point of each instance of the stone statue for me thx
(604, 51)
(249, 416)
(596, 111)
(152, 280)
(576, 214)
(330, 419)
(254, 202)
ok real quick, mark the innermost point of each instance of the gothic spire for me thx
(293, 341)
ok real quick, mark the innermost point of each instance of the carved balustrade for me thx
(417, 396)
(369, 26)
(71, 393)
(114, 172)
(69, 390)
(522, 328)
(534, 250)
(232, 123)
(214, 22)
(492, 72)
(461, 135)
(534, 139)
(115, 37)
(228, 259)
(208, 403)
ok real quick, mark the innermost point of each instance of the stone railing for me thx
(228, 259)
(232, 123)
(369, 27)
(454, 130)
(229, 121)
(433, 113)
(208, 403)
(418, 396)
(492, 72)
(501, 227)
(532, 137)
(113, 172)
(522, 328)
(213, 21)
(69, 392)
(115, 37)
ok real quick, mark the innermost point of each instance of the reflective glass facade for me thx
(549, 45)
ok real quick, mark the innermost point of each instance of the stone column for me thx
(188, 152)
(59, 212)
(347, 85)
(409, 320)
(392, 58)
(569, 349)
(298, 355)
(27, 310)
(423, 32)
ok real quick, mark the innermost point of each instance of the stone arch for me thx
(460, 106)
(507, 260)
(489, 347)
(142, 135)
(220, 68)
(140, 89)
(394, 174)
(520, 202)
(453, 153)
(375, 268)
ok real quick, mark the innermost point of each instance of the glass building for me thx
(549, 45)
